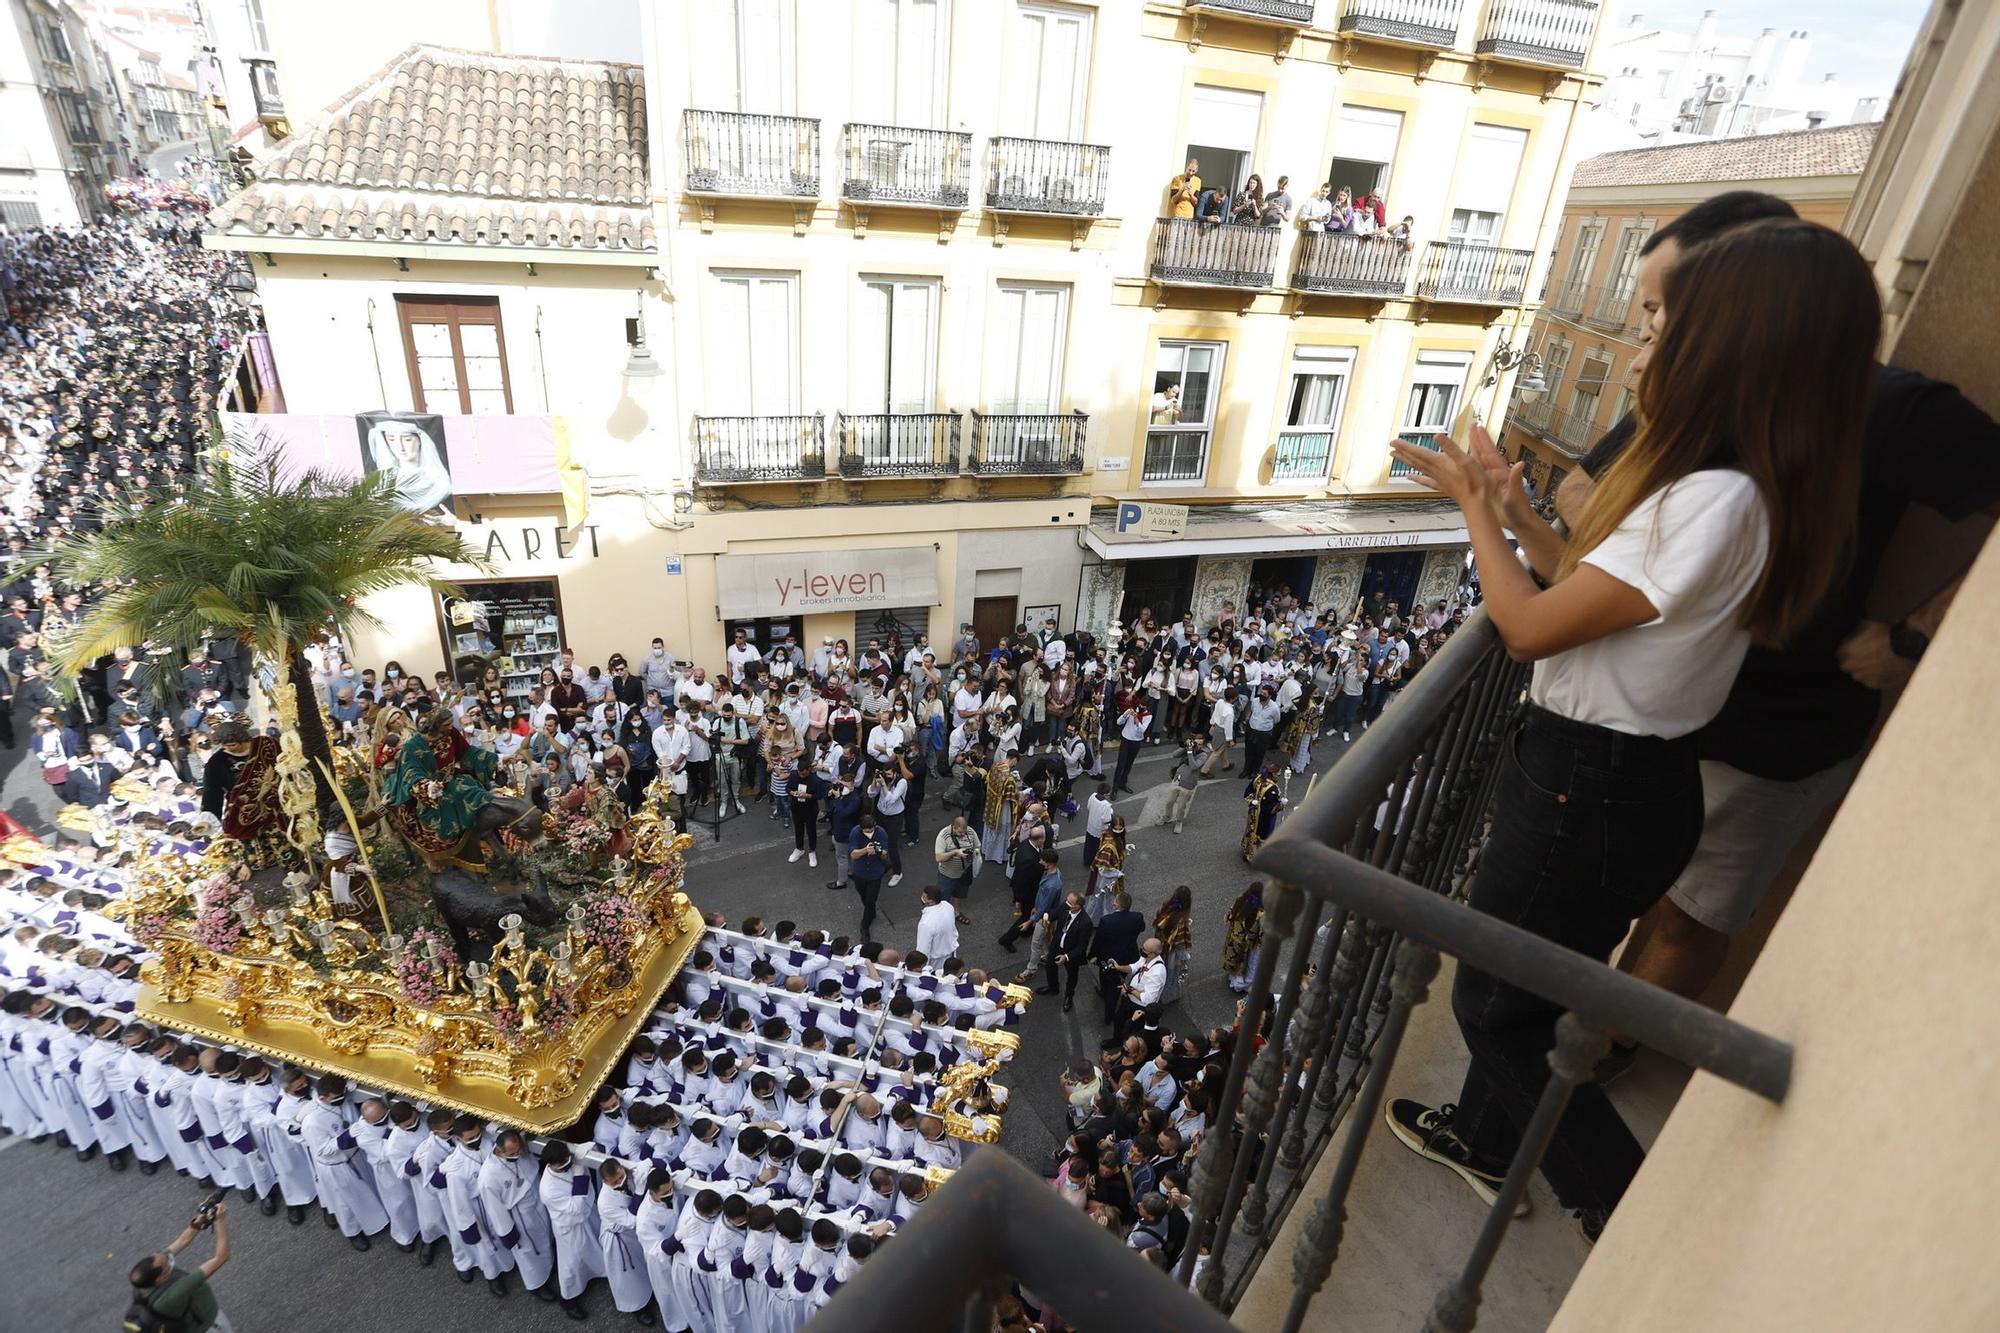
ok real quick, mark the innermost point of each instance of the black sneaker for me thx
(1428, 1134)
(1590, 1224)
(1617, 1062)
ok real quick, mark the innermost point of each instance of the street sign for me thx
(1151, 520)
(673, 564)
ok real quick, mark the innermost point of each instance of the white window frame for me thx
(756, 359)
(1004, 389)
(1622, 284)
(1193, 141)
(253, 17)
(1029, 63)
(868, 395)
(1482, 226)
(1433, 370)
(1206, 427)
(933, 116)
(1315, 361)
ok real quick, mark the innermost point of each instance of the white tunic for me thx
(392, 1187)
(566, 1197)
(656, 1230)
(507, 1191)
(346, 1185)
(472, 1244)
(624, 1266)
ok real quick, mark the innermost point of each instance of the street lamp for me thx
(241, 283)
(1508, 357)
(639, 362)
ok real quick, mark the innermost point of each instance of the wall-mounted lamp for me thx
(1507, 357)
(639, 362)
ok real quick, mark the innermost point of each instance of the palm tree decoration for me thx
(269, 559)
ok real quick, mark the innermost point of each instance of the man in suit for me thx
(1116, 941)
(91, 775)
(1069, 944)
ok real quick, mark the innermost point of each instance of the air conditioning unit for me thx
(1718, 92)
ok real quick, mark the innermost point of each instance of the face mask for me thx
(394, 672)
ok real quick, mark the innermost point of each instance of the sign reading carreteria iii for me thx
(799, 583)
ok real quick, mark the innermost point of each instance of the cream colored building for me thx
(913, 297)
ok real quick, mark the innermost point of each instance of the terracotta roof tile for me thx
(477, 148)
(1838, 151)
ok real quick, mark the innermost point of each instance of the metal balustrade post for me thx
(1578, 1048)
(1256, 1199)
(1332, 973)
(1351, 964)
(1319, 1239)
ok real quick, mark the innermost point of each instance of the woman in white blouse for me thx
(1724, 521)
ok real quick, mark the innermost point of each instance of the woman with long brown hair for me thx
(1725, 521)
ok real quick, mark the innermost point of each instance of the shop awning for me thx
(1300, 527)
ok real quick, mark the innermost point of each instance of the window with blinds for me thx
(1222, 133)
(1025, 337)
(895, 345)
(457, 354)
(753, 345)
(746, 56)
(901, 54)
(1435, 384)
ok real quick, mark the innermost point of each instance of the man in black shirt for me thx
(1790, 735)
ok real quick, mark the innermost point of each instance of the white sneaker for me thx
(740, 810)
(1177, 828)
(812, 859)
(793, 857)
(1347, 736)
(895, 879)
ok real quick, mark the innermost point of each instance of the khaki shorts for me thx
(1749, 827)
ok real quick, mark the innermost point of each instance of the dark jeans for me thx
(1128, 754)
(1590, 829)
(1075, 965)
(805, 827)
(1346, 711)
(1256, 745)
(869, 889)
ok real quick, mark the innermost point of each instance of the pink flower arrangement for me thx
(416, 977)
(217, 927)
(584, 836)
(559, 1010)
(610, 920)
(149, 927)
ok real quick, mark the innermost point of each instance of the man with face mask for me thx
(92, 773)
(656, 670)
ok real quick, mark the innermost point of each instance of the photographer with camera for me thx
(170, 1299)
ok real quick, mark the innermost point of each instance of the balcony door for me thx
(1051, 73)
(1180, 417)
(1222, 134)
(902, 50)
(1486, 176)
(746, 57)
(1364, 147)
(753, 345)
(895, 367)
(1313, 405)
(1025, 341)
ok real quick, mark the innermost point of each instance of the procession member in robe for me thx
(701, 1215)
(425, 1170)
(473, 1244)
(1262, 804)
(624, 1267)
(438, 785)
(1003, 790)
(786, 1306)
(239, 785)
(375, 1131)
(257, 1178)
(1107, 861)
(1243, 935)
(94, 1086)
(128, 1082)
(346, 1185)
(1298, 738)
(264, 1103)
(205, 1090)
(567, 1198)
(509, 1196)
(657, 1230)
(724, 1270)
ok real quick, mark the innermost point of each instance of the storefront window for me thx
(514, 624)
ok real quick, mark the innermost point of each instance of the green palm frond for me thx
(254, 553)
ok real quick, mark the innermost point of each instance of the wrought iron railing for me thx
(1423, 22)
(1340, 263)
(1423, 439)
(1570, 430)
(1474, 274)
(1532, 414)
(1297, 13)
(1026, 444)
(897, 444)
(898, 165)
(1360, 904)
(1614, 304)
(1047, 176)
(1175, 454)
(1541, 32)
(1192, 252)
(1303, 455)
(736, 152)
(1571, 296)
(769, 448)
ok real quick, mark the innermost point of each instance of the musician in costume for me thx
(239, 784)
(1298, 738)
(1107, 863)
(1003, 790)
(438, 785)
(1263, 803)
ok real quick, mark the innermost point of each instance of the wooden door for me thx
(993, 618)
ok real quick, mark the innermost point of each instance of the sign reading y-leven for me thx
(801, 583)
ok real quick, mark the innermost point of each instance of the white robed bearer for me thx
(508, 1192)
(618, 1204)
(571, 1204)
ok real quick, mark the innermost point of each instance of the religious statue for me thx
(438, 785)
(240, 784)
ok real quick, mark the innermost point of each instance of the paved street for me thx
(74, 1229)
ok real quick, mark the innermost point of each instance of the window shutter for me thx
(732, 349)
(912, 340)
(718, 56)
(1041, 350)
(871, 348)
(875, 61)
(1226, 117)
(773, 348)
(1004, 337)
(764, 60)
(1054, 51)
(1368, 135)
(1492, 161)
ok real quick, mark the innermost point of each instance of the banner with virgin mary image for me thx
(411, 446)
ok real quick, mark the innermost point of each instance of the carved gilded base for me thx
(356, 1024)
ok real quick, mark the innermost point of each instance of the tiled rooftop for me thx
(464, 147)
(1839, 151)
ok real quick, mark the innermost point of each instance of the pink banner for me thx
(489, 455)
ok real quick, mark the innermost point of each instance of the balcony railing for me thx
(897, 444)
(1338, 1002)
(1342, 264)
(1047, 176)
(1288, 13)
(771, 448)
(1011, 444)
(1571, 296)
(1531, 416)
(1614, 305)
(738, 153)
(1174, 454)
(1425, 439)
(1569, 430)
(1191, 252)
(1540, 32)
(1421, 22)
(891, 164)
(1474, 274)
(1303, 455)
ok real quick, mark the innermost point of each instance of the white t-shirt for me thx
(1696, 549)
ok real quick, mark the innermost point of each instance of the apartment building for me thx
(923, 327)
(59, 105)
(1589, 327)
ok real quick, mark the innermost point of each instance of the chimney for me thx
(1792, 61)
(1694, 63)
(1762, 51)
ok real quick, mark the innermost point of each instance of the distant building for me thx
(1587, 330)
(61, 111)
(1668, 85)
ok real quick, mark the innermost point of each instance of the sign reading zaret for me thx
(799, 583)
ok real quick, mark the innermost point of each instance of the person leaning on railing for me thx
(1726, 520)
